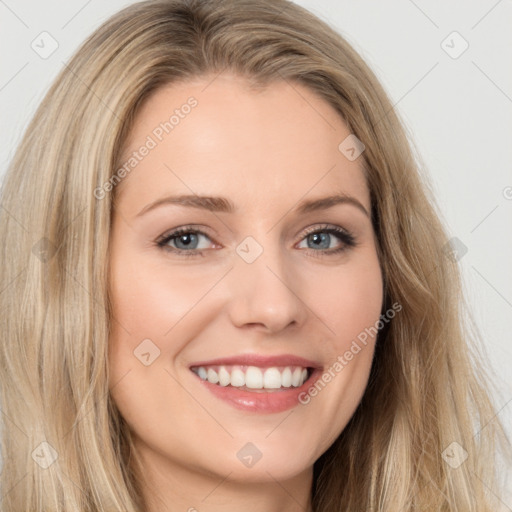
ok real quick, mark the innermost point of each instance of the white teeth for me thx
(286, 378)
(224, 377)
(272, 378)
(296, 377)
(237, 378)
(253, 377)
(212, 376)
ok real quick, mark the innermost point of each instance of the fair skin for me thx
(266, 152)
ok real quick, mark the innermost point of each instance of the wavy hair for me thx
(65, 446)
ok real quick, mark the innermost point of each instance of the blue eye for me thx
(184, 240)
(320, 239)
(189, 241)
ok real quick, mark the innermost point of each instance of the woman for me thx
(227, 285)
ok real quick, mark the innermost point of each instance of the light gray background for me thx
(458, 110)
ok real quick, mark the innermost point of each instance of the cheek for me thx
(155, 311)
(348, 299)
(151, 300)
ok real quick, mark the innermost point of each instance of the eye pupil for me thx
(320, 238)
(186, 240)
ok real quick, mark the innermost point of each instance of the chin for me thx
(264, 460)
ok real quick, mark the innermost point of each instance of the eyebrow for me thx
(223, 205)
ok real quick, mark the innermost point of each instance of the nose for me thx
(266, 294)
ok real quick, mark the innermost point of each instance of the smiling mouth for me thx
(254, 378)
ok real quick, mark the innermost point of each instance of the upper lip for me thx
(260, 360)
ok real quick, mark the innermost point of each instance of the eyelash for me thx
(348, 240)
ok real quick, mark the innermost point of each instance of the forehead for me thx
(217, 135)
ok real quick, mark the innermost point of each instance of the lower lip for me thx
(259, 401)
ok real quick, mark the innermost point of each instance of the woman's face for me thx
(273, 277)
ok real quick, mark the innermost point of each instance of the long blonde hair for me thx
(64, 444)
